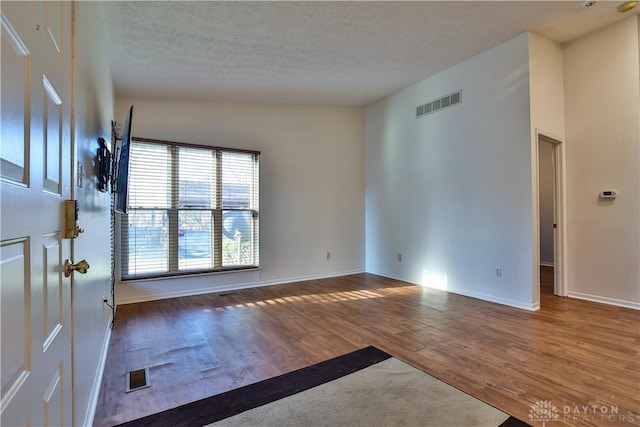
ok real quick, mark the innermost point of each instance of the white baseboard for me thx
(480, 296)
(605, 300)
(227, 288)
(498, 300)
(97, 380)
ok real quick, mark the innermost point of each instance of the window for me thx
(191, 209)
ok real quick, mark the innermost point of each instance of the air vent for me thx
(137, 379)
(439, 104)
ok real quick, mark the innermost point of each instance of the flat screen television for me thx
(121, 185)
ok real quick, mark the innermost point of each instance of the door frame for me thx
(560, 214)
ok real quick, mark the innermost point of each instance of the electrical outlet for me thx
(328, 256)
(105, 299)
(499, 272)
(399, 257)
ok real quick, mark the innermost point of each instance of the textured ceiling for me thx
(337, 53)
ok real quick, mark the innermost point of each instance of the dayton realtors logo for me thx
(545, 411)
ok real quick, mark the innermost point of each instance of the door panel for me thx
(52, 132)
(54, 21)
(52, 290)
(15, 102)
(54, 399)
(14, 256)
(36, 297)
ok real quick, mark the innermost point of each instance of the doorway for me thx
(551, 215)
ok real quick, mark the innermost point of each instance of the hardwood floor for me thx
(584, 357)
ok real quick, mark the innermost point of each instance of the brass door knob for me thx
(81, 267)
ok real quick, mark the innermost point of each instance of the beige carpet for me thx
(389, 393)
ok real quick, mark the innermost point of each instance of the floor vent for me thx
(439, 104)
(137, 379)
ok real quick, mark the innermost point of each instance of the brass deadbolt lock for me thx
(71, 228)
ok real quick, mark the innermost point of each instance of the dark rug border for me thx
(233, 402)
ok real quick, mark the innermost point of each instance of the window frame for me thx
(173, 213)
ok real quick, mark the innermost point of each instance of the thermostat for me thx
(608, 194)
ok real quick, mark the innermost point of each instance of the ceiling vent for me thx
(439, 104)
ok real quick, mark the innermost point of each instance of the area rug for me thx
(367, 387)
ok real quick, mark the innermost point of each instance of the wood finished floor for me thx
(573, 353)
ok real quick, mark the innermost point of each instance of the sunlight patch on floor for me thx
(320, 298)
(434, 280)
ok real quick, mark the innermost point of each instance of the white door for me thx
(558, 167)
(35, 168)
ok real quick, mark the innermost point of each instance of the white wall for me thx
(94, 108)
(602, 96)
(452, 191)
(546, 80)
(311, 186)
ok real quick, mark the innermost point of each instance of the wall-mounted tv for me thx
(121, 185)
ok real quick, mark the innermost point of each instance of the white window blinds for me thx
(191, 209)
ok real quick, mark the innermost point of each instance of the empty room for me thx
(320, 213)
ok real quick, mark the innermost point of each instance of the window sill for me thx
(191, 274)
